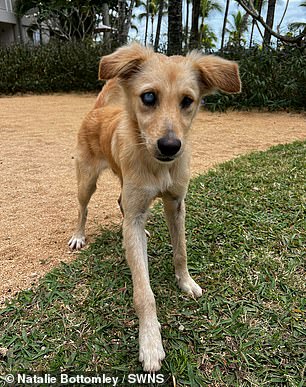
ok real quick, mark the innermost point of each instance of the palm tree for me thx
(224, 23)
(208, 38)
(238, 27)
(269, 22)
(175, 32)
(162, 7)
(186, 32)
(151, 10)
(194, 33)
(201, 9)
(207, 6)
(145, 15)
(258, 6)
(299, 25)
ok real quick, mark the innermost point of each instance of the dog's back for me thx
(111, 94)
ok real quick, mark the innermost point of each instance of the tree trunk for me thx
(106, 22)
(298, 40)
(254, 22)
(175, 27)
(147, 22)
(124, 20)
(187, 25)
(194, 33)
(121, 20)
(224, 24)
(269, 22)
(152, 30)
(159, 21)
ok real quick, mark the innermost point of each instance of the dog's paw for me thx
(151, 352)
(189, 286)
(77, 242)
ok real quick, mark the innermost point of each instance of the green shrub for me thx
(273, 79)
(55, 67)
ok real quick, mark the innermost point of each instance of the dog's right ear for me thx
(124, 62)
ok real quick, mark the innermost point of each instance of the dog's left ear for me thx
(218, 74)
(124, 62)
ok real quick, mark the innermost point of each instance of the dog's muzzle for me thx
(168, 147)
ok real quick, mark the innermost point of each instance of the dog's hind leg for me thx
(175, 216)
(87, 176)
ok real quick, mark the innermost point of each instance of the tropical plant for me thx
(207, 38)
(239, 26)
(208, 6)
(299, 25)
(248, 6)
(201, 10)
(152, 8)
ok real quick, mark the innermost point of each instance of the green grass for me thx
(246, 244)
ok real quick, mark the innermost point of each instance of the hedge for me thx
(273, 79)
(54, 67)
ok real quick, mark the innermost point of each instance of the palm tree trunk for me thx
(106, 22)
(159, 21)
(194, 33)
(152, 30)
(258, 7)
(186, 25)
(282, 19)
(224, 23)
(147, 22)
(175, 27)
(269, 22)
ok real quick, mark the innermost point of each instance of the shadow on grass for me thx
(246, 243)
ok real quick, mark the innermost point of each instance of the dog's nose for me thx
(169, 146)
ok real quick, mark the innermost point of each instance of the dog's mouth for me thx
(165, 159)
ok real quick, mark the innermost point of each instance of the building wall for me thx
(10, 32)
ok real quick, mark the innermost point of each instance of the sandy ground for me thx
(37, 180)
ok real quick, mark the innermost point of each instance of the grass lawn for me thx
(246, 243)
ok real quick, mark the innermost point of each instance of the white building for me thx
(12, 31)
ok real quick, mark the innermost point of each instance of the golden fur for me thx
(139, 128)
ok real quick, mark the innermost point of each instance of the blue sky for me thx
(215, 21)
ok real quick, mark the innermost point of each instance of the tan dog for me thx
(139, 128)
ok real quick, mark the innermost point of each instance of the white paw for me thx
(151, 352)
(189, 286)
(77, 242)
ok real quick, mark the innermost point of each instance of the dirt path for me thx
(37, 180)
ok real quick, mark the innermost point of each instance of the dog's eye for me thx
(186, 102)
(148, 99)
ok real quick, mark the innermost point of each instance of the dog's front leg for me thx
(135, 204)
(175, 216)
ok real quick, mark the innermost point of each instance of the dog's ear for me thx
(217, 74)
(124, 62)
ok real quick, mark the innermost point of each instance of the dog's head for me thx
(164, 93)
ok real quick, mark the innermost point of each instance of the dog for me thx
(139, 127)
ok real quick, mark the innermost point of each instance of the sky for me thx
(215, 20)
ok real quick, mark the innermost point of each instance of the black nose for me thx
(168, 146)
